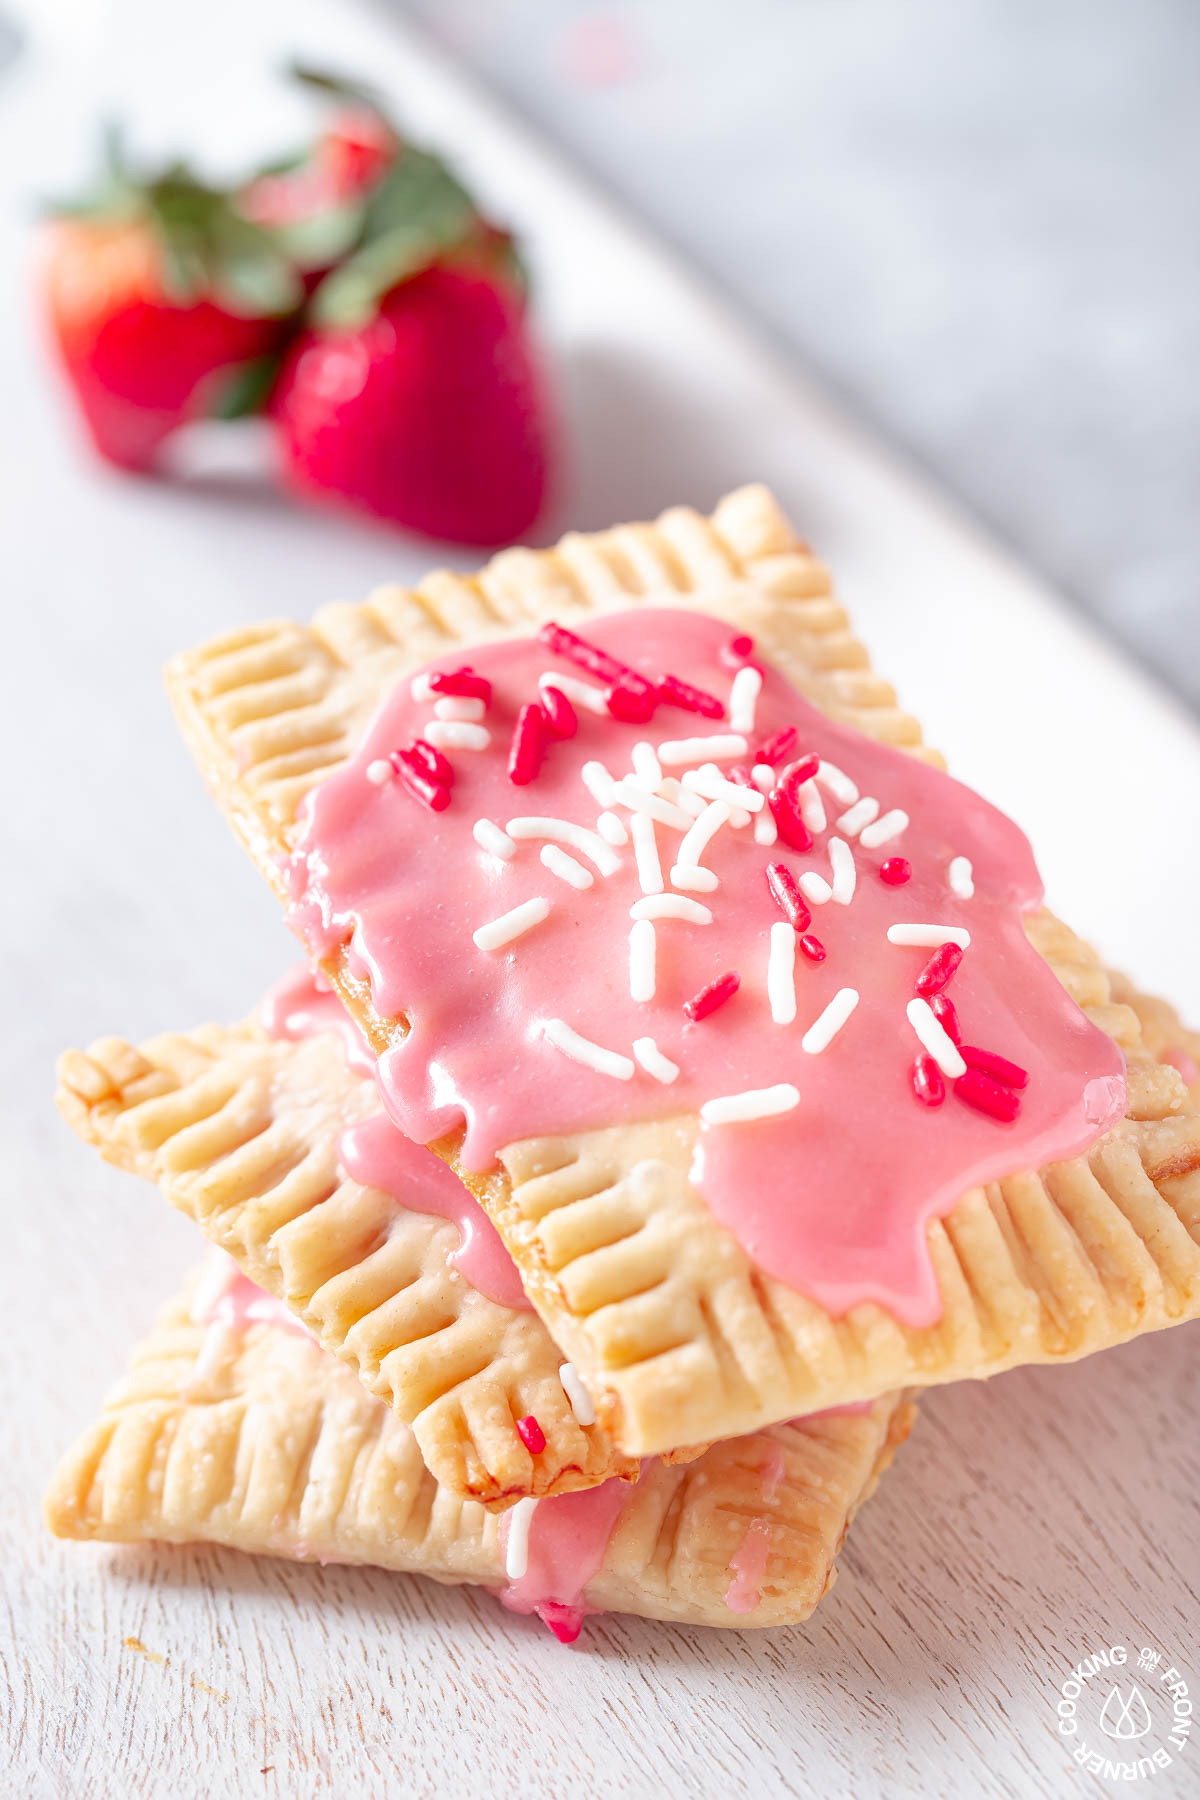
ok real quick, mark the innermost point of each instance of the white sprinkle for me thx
(781, 973)
(598, 782)
(764, 777)
(838, 783)
(420, 690)
(726, 744)
(510, 925)
(218, 1273)
(490, 837)
(459, 706)
(692, 803)
(929, 936)
(642, 947)
(743, 697)
(765, 829)
(639, 799)
(379, 771)
(654, 1062)
(583, 1050)
(696, 879)
(645, 851)
(823, 1030)
(755, 1103)
(217, 1341)
(812, 807)
(936, 1039)
(814, 887)
(710, 782)
(611, 829)
(962, 877)
(646, 766)
(578, 1398)
(883, 830)
(670, 906)
(699, 835)
(860, 814)
(516, 1546)
(580, 693)
(845, 874)
(565, 867)
(564, 831)
(452, 734)
(738, 818)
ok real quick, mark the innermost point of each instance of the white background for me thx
(1025, 1524)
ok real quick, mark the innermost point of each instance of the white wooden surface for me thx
(1026, 1523)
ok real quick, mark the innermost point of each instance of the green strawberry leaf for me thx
(340, 87)
(246, 390)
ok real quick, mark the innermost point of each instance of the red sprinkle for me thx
(587, 656)
(797, 773)
(429, 761)
(895, 871)
(562, 721)
(566, 1622)
(790, 825)
(528, 745)
(987, 1096)
(742, 775)
(631, 699)
(943, 1011)
(433, 794)
(709, 998)
(737, 650)
(673, 692)
(812, 947)
(928, 1082)
(531, 1435)
(787, 896)
(778, 747)
(1010, 1074)
(463, 682)
(939, 969)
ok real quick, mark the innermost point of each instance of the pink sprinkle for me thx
(709, 998)
(812, 947)
(737, 650)
(464, 683)
(1010, 1074)
(673, 692)
(939, 969)
(741, 774)
(988, 1096)
(420, 782)
(531, 1435)
(562, 721)
(787, 896)
(430, 759)
(584, 655)
(528, 745)
(895, 871)
(566, 1622)
(797, 773)
(788, 823)
(777, 747)
(943, 1011)
(928, 1082)
(631, 699)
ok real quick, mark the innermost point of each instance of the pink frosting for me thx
(1177, 1057)
(228, 1298)
(375, 1153)
(867, 1167)
(568, 1536)
(749, 1565)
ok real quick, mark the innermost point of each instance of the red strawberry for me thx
(426, 412)
(158, 295)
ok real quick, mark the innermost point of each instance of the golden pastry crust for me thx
(280, 1450)
(677, 1335)
(240, 1131)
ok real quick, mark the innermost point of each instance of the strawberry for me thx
(427, 412)
(161, 300)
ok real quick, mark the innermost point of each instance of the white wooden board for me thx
(1027, 1523)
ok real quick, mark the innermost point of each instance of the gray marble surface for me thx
(976, 219)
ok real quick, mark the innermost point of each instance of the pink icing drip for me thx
(772, 1471)
(405, 889)
(238, 1302)
(375, 1153)
(568, 1536)
(749, 1565)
